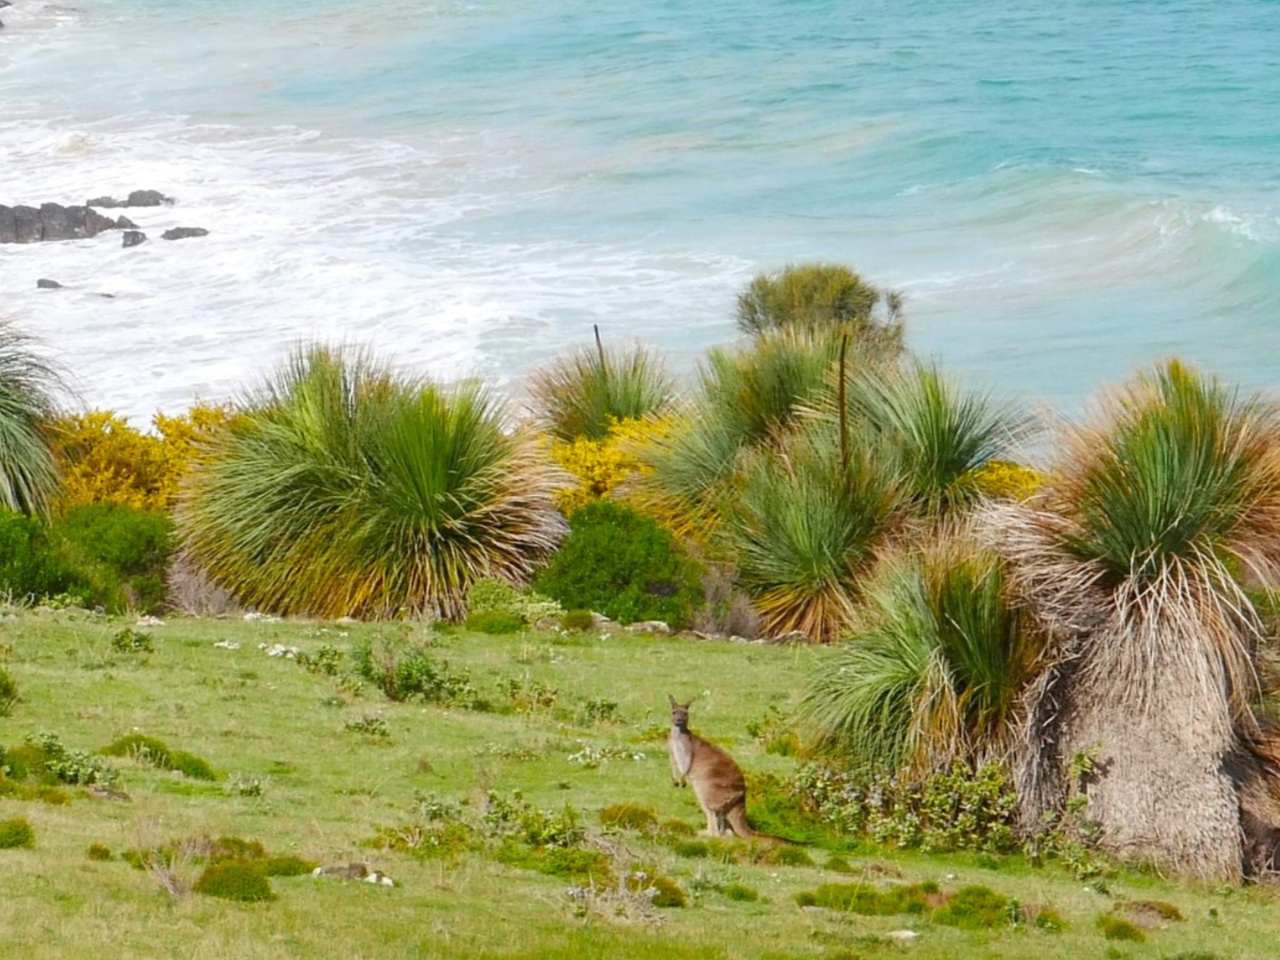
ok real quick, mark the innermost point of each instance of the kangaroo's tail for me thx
(737, 820)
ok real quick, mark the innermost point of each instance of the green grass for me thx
(296, 782)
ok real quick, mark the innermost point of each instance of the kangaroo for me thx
(717, 781)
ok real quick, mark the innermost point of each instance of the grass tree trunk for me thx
(1161, 785)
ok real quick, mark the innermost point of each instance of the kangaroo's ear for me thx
(672, 700)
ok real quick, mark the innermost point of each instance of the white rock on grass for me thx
(649, 626)
(149, 622)
(226, 645)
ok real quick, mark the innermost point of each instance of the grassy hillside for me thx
(310, 766)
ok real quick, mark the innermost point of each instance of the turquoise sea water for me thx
(1063, 190)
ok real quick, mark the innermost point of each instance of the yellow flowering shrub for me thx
(103, 459)
(1006, 480)
(601, 465)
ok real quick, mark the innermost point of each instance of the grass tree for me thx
(346, 488)
(747, 396)
(802, 524)
(1132, 557)
(28, 388)
(934, 667)
(584, 393)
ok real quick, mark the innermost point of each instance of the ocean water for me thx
(1062, 190)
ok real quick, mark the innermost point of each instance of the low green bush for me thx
(956, 809)
(100, 851)
(43, 757)
(234, 880)
(494, 622)
(743, 894)
(976, 908)
(667, 894)
(8, 692)
(139, 746)
(489, 595)
(289, 866)
(122, 552)
(192, 766)
(31, 566)
(865, 899)
(1118, 928)
(623, 564)
(404, 671)
(630, 816)
(578, 621)
(16, 833)
(129, 640)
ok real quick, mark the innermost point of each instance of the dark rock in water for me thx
(5, 3)
(124, 223)
(134, 237)
(51, 222)
(182, 233)
(48, 285)
(147, 198)
(19, 224)
(104, 202)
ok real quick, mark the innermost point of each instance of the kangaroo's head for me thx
(679, 713)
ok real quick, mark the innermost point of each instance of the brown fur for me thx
(717, 781)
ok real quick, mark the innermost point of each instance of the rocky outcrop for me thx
(134, 237)
(182, 233)
(139, 198)
(124, 223)
(43, 284)
(51, 221)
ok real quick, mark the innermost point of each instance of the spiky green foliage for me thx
(802, 526)
(28, 388)
(933, 670)
(938, 433)
(346, 488)
(747, 395)
(824, 295)
(586, 392)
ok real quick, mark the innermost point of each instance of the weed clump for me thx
(43, 757)
(578, 621)
(129, 640)
(1118, 928)
(8, 692)
(404, 671)
(157, 753)
(234, 880)
(16, 833)
(838, 865)
(861, 898)
(787, 856)
(369, 725)
(100, 852)
(289, 866)
(192, 766)
(495, 623)
(663, 892)
(326, 661)
(630, 816)
(976, 908)
(740, 893)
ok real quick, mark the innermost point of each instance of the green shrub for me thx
(838, 865)
(956, 809)
(976, 908)
(234, 880)
(236, 848)
(1117, 928)
(495, 622)
(99, 851)
(289, 866)
(137, 745)
(666, 893)
(403, 671)
(8, 694)
(788, 856)
(31, 567)
(44, 757)
(569, 863)
(16, 833)
(820, 294)
(865, 899)
(736, 891)
(497, 596)
(630, 816)
(129, 640)
(347, 488)
(578, 621)
(327, 661)
(122, 552)
(192, 766)
(623, 564)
